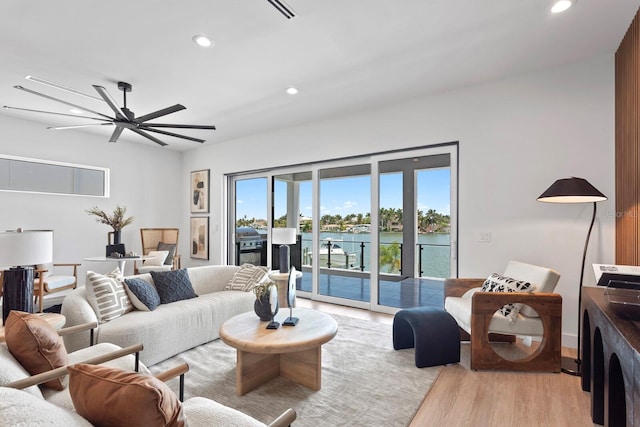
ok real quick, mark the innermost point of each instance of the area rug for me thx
(364, 381)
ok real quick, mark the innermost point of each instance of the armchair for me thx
(47, 282)
(541, 316)
(159, 239)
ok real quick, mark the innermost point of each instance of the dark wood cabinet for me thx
(611, 359)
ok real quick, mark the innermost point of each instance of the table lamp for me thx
(283, 237)
(22, 250)
(574, 190)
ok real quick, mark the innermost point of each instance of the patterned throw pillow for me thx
(498, 283)
(247, 277)
(143, 295)
(107, 296)
(173, 285)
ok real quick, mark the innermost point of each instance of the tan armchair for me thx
(48, 281)
(159, 239)
(475, 313)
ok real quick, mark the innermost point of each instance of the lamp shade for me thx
(571, 190)
(19, 248)
(283, 236)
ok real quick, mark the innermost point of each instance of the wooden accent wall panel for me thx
(627, 124)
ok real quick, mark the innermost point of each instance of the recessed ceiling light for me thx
(292, 90)
(562, 5)
(202, 41)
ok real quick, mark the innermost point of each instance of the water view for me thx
(433, 258)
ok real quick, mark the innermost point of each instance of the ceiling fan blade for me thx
(57, 86)
(61, 101)
(160, 113)
(149, 129)
(110, 102)
(152, 138)
(57, 114)
(79, 126)
(169, 125)
(116, 134)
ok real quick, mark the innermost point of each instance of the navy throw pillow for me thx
(173, 285)
(144, 292)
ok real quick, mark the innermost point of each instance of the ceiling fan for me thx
(124, 118)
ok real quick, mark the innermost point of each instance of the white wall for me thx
(517, 136)
(145, 179)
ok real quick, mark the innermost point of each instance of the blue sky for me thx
(346, 195)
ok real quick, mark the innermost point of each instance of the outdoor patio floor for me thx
(407, 293)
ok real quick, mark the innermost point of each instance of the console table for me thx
(610, 360)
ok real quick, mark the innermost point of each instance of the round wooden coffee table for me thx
(292, 352)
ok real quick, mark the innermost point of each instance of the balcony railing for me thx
(354, 255)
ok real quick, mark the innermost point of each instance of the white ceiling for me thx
(344, 56)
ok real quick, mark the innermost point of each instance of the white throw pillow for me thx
(158, 258)
(247, 277)
(106, 295)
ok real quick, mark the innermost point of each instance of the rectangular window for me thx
(43, 176)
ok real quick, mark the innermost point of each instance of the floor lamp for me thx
(574, 190)
(22, 249)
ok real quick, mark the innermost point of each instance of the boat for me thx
(333, 253)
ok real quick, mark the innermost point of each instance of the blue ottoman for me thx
(432, 331)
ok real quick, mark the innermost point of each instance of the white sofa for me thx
(171, 328)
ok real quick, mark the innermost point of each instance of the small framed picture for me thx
(199, 195)
(199, 247)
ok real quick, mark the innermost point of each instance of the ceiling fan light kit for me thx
(124, 118)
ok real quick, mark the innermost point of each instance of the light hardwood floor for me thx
(461, 397)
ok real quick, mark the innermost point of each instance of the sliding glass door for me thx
(375, 232)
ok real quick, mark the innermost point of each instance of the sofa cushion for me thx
(131, 398)
(56, 282)
(11, 370)
(247, 277)
(143, 295)
(106, 295)
(173, 285)
(202, 412)
(171, 248)
(499, 283)
(157, 258)
(36, 345)
(22, 409)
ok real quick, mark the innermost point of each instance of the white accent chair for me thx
(475, 313)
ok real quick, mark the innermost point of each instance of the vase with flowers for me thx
(262, 305)
(117, 220)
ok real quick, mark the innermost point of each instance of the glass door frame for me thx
(452, 151)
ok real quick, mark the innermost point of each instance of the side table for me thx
(282, 280)
(54, 319)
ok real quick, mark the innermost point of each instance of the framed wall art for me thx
(199, 245)
(199, 195)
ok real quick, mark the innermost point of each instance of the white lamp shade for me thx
(18, 248)
(283, 236)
